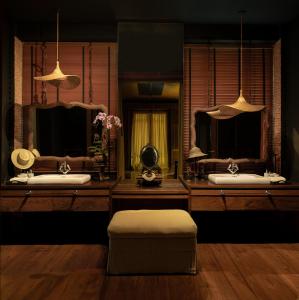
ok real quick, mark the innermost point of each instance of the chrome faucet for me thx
(233, 168)
(64, 168)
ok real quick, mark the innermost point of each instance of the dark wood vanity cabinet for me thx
(24, 198)
(206, 196)
(111, 196)
(171, 194)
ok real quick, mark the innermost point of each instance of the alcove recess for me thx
(94, 63)
(212, 78)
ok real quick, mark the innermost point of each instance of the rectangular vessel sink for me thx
(238, 179)
(59, 179)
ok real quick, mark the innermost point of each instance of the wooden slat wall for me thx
(226, 77)
(71, 57)
(186, 102)
(212, 77)
(276, 107)
(196, 84)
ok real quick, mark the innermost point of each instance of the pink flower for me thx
(108, 125)
(117, 121)
(107, 120)
(101, 116)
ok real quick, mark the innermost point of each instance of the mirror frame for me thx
(143, 149)
(28, 129)
(264, 147)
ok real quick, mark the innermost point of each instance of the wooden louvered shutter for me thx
(226, 75)
(196, 87)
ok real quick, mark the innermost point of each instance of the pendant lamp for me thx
(57, 78)
(241, 105)
(218, 114)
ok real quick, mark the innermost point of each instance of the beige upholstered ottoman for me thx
(152, 241)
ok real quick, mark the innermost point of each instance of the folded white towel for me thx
(22, 179)
(277, 179)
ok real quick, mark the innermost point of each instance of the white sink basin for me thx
(239, 179)
(59, 179)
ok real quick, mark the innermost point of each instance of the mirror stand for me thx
(151, 172)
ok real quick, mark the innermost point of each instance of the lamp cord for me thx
(241, 58)
(57, 35)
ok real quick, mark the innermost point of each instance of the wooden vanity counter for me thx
(111, 196)
(92, 196)
(206, 196)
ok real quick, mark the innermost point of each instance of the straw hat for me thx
(22, 158)
(35, 152)
(196, 152)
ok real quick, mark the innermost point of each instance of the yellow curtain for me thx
(140, 136)
(159, 138)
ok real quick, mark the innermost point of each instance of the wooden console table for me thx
(128, 195)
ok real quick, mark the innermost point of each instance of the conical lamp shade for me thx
(219, 115)
(240, 105)
(60, 80)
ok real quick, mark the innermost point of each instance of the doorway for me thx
(154, 121)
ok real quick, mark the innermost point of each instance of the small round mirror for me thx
(149, 156)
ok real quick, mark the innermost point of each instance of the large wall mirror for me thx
(59, 131)
(238, 137)
(244, 138)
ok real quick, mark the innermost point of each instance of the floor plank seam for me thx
(241, 274)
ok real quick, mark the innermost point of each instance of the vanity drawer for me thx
(207, 203)
(55, 203)
(248, 200)
(248, 203)
(10, 204)
(91, 203)
(286, 200)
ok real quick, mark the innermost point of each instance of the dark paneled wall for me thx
(290, 100)
(150, 48)
(193, 33)
(6, 94)
(71, 32)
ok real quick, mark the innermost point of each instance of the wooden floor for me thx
(227, 271)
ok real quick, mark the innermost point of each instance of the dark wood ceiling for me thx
(186, 11)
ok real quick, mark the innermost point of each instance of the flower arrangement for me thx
(107, 120)
(100, 141)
